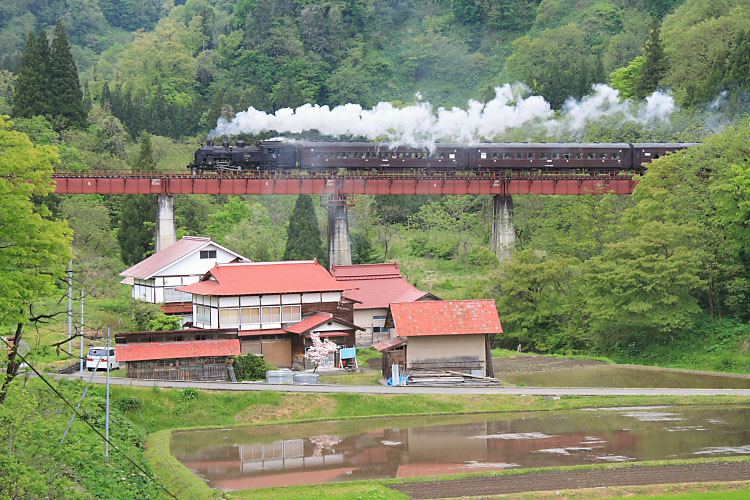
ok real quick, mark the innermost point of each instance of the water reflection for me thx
(232, 459)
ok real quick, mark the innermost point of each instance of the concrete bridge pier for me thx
(339, 245)
(166, 234)
(503, 233)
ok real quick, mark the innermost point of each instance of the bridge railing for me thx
(349, 174)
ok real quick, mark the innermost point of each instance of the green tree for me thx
(738, 68)
(643, 288)
(67, 98)
(625, 79)
(557, 65)
(698, 37)
(137, 225)
(540, 299)
(654, 65)
(31, 92)
(362, 250)
(303, 240)
(457, 216)
(145, 161)
(34, 248)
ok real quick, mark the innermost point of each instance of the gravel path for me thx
(382, 389)
(568, 480)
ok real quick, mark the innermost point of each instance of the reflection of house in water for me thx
(398, 452)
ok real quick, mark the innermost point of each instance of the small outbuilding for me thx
(441, 335)
(178, 354)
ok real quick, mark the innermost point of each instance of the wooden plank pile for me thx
(433, 377)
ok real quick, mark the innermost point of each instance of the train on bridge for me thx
(593, 158)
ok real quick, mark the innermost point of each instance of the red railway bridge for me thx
(330, 183)
(338, 186)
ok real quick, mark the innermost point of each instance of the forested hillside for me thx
(154, 79)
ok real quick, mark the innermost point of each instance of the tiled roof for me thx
(266, 278)
(446, 317)
(158, 261)
(144, 351)
(389, 343)
(378, 285)
(366, 271)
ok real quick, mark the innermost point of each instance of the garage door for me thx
(278, 352)
(250, 347)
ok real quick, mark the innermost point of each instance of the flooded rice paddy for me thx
(626, 376)
(254, 457)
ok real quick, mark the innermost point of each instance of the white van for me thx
(98, 358)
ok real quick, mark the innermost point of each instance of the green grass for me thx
(358, 378)
(707, 495)
(354, 490)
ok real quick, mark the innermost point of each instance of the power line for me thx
(91, 425)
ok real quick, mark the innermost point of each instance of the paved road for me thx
(380, 389)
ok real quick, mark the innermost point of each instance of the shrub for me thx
(189, 394)
(251, 367)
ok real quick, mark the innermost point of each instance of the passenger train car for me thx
(359, 156)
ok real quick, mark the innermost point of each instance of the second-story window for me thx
(208, 254)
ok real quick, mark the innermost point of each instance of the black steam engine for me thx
(354, 156)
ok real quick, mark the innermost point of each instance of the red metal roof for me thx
(158, 261)
(255, 333)
(310, 323)
(258, 278)
(446, 317)
(386, 344)
(144, 351)
(378, 285)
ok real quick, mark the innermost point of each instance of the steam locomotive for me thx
(354, 156)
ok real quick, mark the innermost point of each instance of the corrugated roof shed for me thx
(177, 350)
(446, 317)
(259, 278)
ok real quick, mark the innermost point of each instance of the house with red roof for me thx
(275, 307)
(377, 286)
(156, 278)
(441, 335)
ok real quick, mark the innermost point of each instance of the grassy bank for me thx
(189, 408)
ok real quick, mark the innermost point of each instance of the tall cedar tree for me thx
(145, 161)
(31, 92)
(136, 232)
(303, 236)
(67, 97)
(654, 66)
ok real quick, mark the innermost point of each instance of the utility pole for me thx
(82, 317)
(106, 419)
(70, 307)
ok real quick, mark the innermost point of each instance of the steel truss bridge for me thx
(294, 182)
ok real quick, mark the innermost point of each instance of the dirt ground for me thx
(567, 480)
(525, 364)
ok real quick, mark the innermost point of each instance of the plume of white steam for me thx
(604, 103)
(420, 124)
